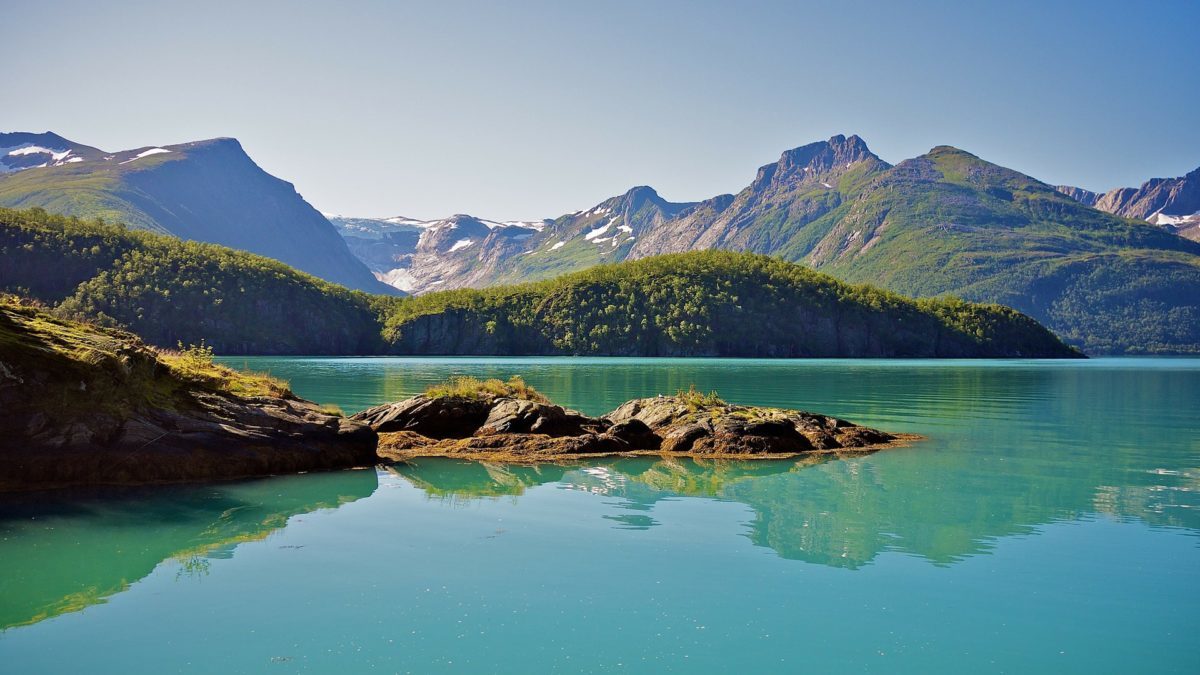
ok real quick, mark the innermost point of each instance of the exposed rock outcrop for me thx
(83, 405)
(512, 429)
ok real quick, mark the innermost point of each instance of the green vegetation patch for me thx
(83, 369)
(463, 386)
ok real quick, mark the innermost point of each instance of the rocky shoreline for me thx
(502, 428)
(85, 405)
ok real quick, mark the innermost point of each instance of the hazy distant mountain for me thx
(206, 191)
(944, 222)
(1173, 203)
(422, 255)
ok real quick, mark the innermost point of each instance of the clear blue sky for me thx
(530, 110)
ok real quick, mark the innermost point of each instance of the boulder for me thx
(510, 415)
(636, 434)
(435, 417)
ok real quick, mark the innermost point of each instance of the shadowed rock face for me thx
(509, 428)
(215, 437)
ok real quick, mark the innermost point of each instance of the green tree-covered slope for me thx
(701, 303)
(708, 303)
(169, 291)
(949, 222)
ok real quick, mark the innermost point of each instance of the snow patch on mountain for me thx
(52, 157)
(37, 149)
(598, 232)
(145, 153)
(1160, 218)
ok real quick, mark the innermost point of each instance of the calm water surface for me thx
(1049, 524)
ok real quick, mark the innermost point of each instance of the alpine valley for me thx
(1116, 278)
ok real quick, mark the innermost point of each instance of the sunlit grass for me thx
(462, 386)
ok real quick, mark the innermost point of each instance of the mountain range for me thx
(208, 191)
(1170, 202)
(946, 222)
(398, 249)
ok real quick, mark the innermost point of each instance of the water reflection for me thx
(66, 550)
(1011, 448)
(845, 512)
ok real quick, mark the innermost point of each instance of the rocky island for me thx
(509, 421)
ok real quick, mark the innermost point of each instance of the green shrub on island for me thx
(462, 386)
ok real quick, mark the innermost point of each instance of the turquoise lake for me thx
(1049, 523)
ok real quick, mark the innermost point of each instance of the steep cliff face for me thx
(207, 191)
(1085, 197)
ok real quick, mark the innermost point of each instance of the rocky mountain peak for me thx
(816, 159)
(642, 193)
(1173, 203)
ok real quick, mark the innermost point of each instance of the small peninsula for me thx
(84, 405)
(492, 420)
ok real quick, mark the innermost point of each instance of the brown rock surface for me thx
(516, 429)
(83, 405)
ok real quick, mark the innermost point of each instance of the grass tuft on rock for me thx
(696, 400)
(194, 363)
(463, 386)
(104, 370)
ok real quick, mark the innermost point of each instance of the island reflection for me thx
(845, 512)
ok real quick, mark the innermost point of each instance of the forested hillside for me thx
(709, 303)
(701, 303)
(169, 291)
